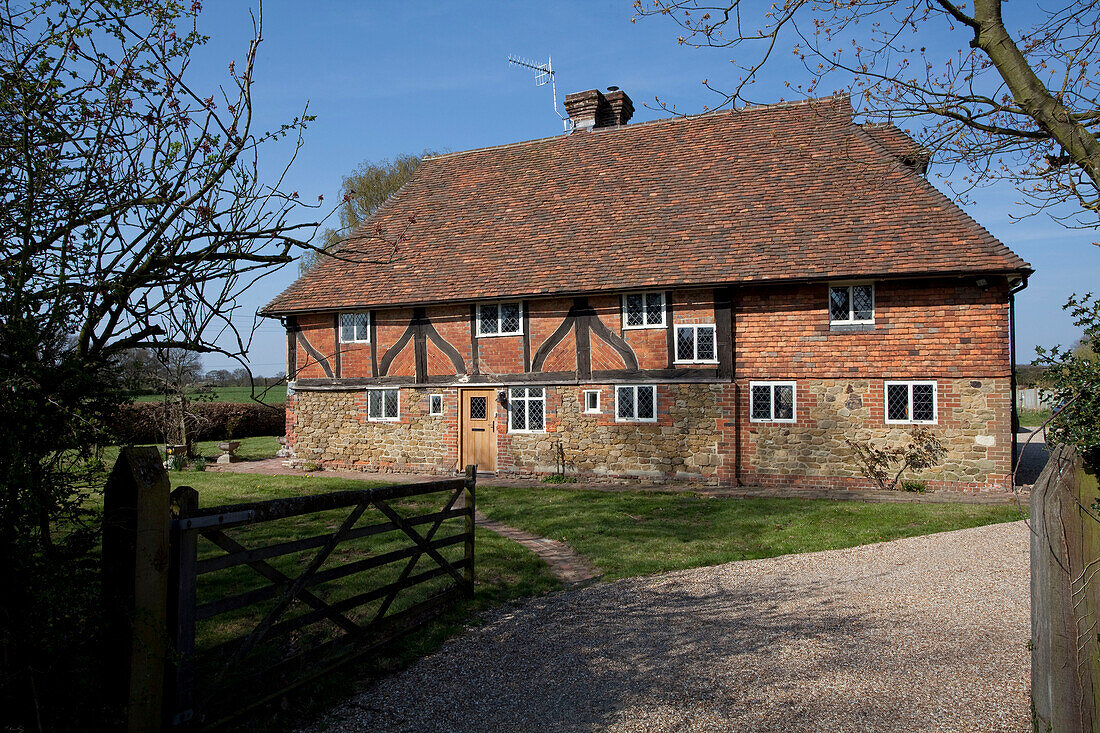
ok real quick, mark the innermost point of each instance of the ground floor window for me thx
(592, 401)
(527, 410)
(435, 404)
(382, 404)
(911, 402)
(636, 403)
(771, 401)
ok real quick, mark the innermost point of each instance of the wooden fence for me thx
(1065, 599)
(231, 606)
(1033, 398)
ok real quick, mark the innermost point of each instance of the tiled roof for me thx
(782, 192)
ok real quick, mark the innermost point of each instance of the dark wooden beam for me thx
(420, 345)
(373, 344)
(291, 348)
(670, 330)
(583, 321)
(526, 336)
(476, 365)
(723, 332)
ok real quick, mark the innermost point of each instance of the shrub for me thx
(145, 422)
(918, 486)
(924, 450)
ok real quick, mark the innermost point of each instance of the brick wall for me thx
(948, 330)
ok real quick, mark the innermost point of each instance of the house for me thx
(724, 298)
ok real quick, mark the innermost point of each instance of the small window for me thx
(771, 402)
(695, 345)
(911, 403)
(382, 404)
(526, 410)
(499, 319)
(592, 401)
(644, 310)
(435, 404)
(852, 303)
(636, 403)
(354, 328)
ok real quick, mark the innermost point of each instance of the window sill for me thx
(383, 419)
(363, 341)
(495, 335)
(912, 422)
(710, 362)
(862, 327)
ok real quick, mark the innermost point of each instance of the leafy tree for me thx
(133, 213)
(365, 189)
(1073, 375)
(1002, 101)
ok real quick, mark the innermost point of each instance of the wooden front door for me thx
(478, 429)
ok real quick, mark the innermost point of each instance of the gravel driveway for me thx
(928, 633)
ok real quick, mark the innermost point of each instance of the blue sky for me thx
(386, 78)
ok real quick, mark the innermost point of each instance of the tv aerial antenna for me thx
(544, 74)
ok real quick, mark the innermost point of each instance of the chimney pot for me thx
(591, 109)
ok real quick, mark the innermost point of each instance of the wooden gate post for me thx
(471, 507)
(135, 583)
(181, 593)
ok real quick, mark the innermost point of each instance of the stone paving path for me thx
(569, 566)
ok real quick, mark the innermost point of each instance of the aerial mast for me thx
(544, 74)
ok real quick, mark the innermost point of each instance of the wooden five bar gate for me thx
(214, 611)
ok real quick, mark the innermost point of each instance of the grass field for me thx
(271, 395)
(1033, 418)
(627, 533)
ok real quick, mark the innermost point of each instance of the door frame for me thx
(462, 418)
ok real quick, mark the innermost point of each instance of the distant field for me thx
(273, 395)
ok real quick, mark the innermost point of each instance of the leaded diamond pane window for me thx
(624, 402)
(924, 402)
(784, 402)
(695, 344)
(863, 303)
(354, 327)
(635, 312)
(852, 303)
(644, 310)
(911, 402)
(499, 319)
(654, 309)
(645, 403)
(685, 344)
(772, 402)
(509, 318)
(527, 410)
(488, 322)
(435, 404)
(761, 402)
(383, 404)
(478, 408)
(636, 404)
(838, 304)
(897, 401)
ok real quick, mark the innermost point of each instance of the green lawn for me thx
(272, 395)
(505, 571)
(629, 533)
(251, 449)
(1033, 418)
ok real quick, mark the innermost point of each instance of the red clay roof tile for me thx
(781, 192)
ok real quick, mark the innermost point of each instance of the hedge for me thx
(144, 422)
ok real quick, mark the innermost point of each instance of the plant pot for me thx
(229, 446)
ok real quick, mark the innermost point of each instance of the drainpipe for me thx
(1012, 372)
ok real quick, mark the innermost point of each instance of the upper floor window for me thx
(852, 303)
(636, 403)
(695, 344)
(526, 410)
(911, 402)
(383, 404)
(644, 310)
(771, 401)
(435, 404)
(354, 327)
(499, 319)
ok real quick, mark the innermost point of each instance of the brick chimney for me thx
(592, 109)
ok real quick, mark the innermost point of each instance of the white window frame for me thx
(851, 320)
(519, 307)
(646, 294)
(340, 328)
(596, 410)
(695, 345)
(432, 398)
(526, 399)
(910, 383)
(396, 417)
(771, 401)
(635, 387)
